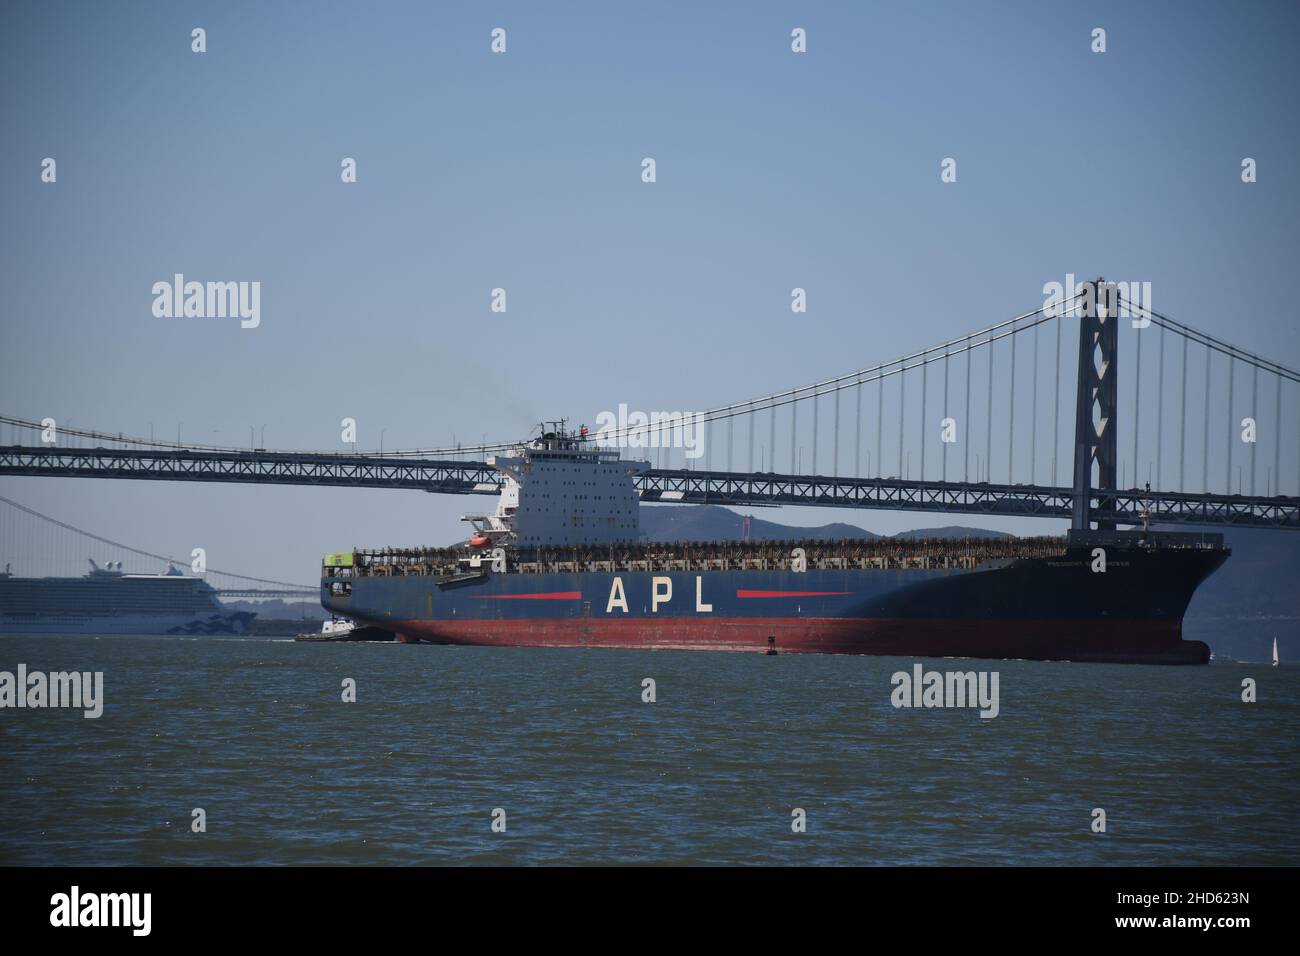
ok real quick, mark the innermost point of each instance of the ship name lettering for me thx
(658, 596)
(700, 606)
(617, 596)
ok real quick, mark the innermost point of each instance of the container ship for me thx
(107, 601)
(560, 563)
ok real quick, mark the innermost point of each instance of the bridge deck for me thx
(656, 485)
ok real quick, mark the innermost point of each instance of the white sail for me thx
(1275, 661)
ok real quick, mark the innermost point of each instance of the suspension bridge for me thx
(977, 425)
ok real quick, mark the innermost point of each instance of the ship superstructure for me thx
(561, 489)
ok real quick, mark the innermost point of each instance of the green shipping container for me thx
(339, 559)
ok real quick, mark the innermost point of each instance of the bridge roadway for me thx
(656, 485)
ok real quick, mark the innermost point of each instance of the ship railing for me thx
(1165, 540)
(881, 554)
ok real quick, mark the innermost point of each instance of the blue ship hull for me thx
(1035, 608)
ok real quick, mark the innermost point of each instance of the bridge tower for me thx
(1095, 406)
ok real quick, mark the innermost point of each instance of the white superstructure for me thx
(560, 489)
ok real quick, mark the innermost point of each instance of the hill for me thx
(664, 523)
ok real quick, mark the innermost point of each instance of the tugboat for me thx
(335, 629)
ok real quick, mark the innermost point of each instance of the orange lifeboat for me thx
(479, 540)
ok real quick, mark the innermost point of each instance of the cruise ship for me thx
(561, 563)
(108, 601)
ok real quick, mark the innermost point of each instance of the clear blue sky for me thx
(522, 171)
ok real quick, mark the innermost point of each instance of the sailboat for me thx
(1275, 660)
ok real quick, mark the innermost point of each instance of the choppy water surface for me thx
(256, 733)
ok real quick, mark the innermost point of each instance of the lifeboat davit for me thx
(479, 540)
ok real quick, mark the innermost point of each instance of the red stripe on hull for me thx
(1134, 641)
(789, 594)
(551, 596)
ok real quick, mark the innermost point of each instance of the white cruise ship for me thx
(108, 601)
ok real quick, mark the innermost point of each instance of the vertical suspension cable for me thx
(1277, 442)
(857, 447)
(1033, 422)
(988, 422)
(1056, 407)
(880, 421)
(1232, 365)
(749, 467)
(965, 422)
(1254, 417)
(944, 477)
(1182, 421)
(813, 469)
(925, 420)
(1205, 424)
(794, 428)
(902, 406)
(1011, 401)
(1137, 401)
(1160, 412)
(771, 438)
(835, 443)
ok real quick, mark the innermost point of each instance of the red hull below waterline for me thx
(1125, 642)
